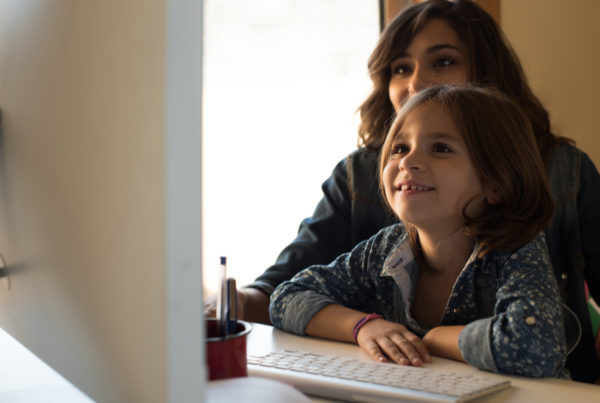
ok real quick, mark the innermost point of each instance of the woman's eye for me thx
(441, 148)
(400, 69)
(444, 62)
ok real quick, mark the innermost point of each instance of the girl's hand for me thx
(382, 340)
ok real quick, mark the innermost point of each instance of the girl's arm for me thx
(334, 322)
(526, 334)
(328, 301)
(442, 341)
(351, 280)
(379, 338)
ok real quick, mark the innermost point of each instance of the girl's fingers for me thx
(374, 351)
(418, 345)
(401, 351)
(384, 341)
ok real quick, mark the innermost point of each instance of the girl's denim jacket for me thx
(352, 210)
(521, 332)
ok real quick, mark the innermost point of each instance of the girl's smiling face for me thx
(429, 177)
(435, 56)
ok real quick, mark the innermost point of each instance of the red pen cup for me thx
(226, 355)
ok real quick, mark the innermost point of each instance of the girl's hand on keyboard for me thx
(384, 340)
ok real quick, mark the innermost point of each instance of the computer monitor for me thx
(100, 193)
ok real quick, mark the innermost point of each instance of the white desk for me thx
(263, 339)
(26, 378)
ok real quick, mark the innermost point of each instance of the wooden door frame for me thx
(389, 8)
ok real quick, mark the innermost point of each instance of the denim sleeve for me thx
(475, 344)
(525, 336)
(351, 280)
(588, 205)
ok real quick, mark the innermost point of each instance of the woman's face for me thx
(434, 57)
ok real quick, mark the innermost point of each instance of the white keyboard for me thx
(353, 380)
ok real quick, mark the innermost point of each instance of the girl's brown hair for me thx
(502, 147)
(491, 62)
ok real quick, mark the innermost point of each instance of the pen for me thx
(222, 298)
(231, 309)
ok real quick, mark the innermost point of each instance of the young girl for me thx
(467, 275)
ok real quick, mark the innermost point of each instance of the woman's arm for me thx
(253, 305)
(588, 201)
(349, 212)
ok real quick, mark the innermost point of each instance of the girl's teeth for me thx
(413, 187)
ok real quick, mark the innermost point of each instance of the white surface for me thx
(265, 338)
(252, 390)
(26, 378)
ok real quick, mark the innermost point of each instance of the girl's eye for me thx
(441, 148)
(444, 62)
(399, 149)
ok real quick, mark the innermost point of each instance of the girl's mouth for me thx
(405, 187)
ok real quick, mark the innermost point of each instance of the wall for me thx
(557, 42)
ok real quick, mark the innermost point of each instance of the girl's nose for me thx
(412, 161)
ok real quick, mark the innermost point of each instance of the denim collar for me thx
(402, 259)
(402, 267)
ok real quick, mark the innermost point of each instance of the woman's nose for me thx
(418, 81)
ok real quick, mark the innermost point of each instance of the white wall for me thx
(282, 83)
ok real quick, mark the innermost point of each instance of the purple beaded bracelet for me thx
(362, 322)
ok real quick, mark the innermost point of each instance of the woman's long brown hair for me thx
(491, 63)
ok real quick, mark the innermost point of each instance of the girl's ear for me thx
(492, 196)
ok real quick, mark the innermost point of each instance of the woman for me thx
(442, 42)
